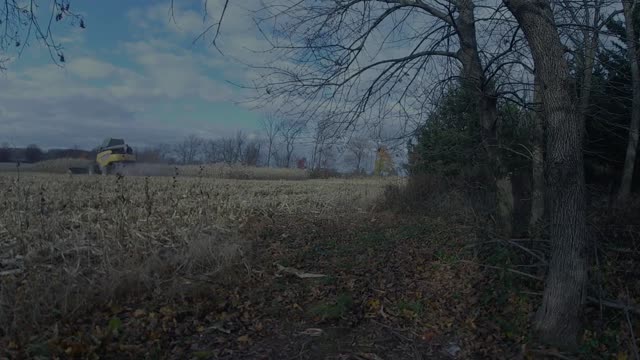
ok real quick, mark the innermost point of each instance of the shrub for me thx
(324, 174)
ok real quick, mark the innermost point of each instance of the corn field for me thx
(67, 242)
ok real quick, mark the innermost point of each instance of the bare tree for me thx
(558, 319)
(239, 141)
(358, 147)
(165, 151)
(33, 153)
(188, 150)
(252, 153)
(232, 149)
(5, 153)
(269, 125)
(278, 156)
(150, 155)
(289, 131)
(228, 150)
(346, 64)
(20, 23)
(212, 149)
(630, 7)
(323, 133)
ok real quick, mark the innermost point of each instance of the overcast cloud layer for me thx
(140, 78)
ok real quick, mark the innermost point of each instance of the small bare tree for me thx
(358, 147)
(323, 133)
(239, 141)
(212, 151)
(150, 155)
(228, 152)
(251, 154)
(166, 151)
(5, 152)
(269, 125)
(289, 131)
(188, 150)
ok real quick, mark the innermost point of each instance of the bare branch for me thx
(19, 23)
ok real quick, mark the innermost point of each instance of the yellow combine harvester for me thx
(112, 155)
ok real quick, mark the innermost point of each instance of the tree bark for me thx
(474, 81)
(558, 319)
(537, 165)
(632, 145)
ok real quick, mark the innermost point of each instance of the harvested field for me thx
(71, 243)
(203, 268)
(215, 171)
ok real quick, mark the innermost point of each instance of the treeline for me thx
(282, 143)
(33, 153)
(278, 143)
(237, 149)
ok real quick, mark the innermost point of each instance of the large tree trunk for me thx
(537, 165)
(474, 81)
(558, 319)
(632, 145)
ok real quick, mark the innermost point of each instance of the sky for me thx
(133, 73)
(136, 73)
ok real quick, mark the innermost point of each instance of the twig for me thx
(552, 353)
(9, 262)
(529, 251)
(621, 250)
(615, 304)
(508, 269)
(393, 331)
(10, 272)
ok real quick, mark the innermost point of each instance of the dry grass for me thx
(76, 241)
(222, 171)
(57, 166)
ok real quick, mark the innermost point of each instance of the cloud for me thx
(82, 115)
(175, 74)
(153, 85)
(178, 19)
(94, 97)
(88, 68)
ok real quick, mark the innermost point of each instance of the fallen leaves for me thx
(167, 312)
(244, 339)
(315, 332)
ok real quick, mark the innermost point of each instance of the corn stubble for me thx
(69, 243)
